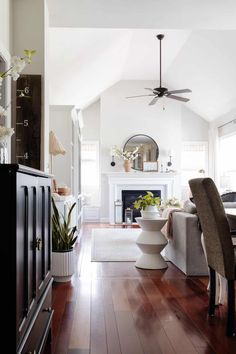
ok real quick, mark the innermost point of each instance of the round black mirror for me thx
(148, 152)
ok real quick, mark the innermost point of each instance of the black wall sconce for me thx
(112, 157)
(112, 161)
(169, 163)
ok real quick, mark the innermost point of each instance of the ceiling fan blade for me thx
(155, 99)
(179, 91)
(139, 96)
(183, 99)
(149, 89)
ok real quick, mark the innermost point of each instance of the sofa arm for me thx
(185, 249)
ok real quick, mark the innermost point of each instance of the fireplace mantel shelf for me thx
(140, 174)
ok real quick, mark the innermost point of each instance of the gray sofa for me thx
(185, 249)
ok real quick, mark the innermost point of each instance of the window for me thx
(227, 164)
(194, 163)
(90, 172)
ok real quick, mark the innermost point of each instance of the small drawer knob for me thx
(47, 309)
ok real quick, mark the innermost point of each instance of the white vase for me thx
(3, 152)
(150, 212)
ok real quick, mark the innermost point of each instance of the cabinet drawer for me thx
(37, 335)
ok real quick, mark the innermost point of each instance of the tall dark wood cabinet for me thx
(26, 257)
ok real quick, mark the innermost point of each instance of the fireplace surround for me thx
(168, 184)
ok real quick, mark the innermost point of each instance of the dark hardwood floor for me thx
(114, 308)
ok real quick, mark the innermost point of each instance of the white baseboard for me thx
(104, 220)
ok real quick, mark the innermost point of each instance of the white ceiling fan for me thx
(163, 91)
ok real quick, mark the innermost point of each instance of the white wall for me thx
(29, 31)
(121, 118)
(60, 122)
(5, 33)
(194, 127)
(91, 119)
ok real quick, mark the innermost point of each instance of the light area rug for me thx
(115, 245)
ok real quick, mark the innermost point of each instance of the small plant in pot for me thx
(149, 205)
(63, 240)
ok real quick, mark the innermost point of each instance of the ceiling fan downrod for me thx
(160, 37)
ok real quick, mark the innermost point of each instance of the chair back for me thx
(215, 227)
(229, 197)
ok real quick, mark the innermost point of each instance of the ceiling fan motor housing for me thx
(160, 91)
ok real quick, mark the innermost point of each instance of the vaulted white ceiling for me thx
(84, 62)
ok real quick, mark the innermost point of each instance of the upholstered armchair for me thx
(218, 242)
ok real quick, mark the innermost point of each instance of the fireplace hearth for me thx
(129, 196)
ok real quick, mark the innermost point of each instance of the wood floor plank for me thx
(113, 342)
(63, 338)
(59, 303)
(145, 318)
(119, 295)
(170, 322)
(129, 339)
(80, 332)
(98, 340)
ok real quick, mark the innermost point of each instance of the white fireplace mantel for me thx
(167, 183)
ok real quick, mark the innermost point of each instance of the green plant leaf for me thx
(63, 236)
(148, 199)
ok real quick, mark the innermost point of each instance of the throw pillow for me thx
(190, 207)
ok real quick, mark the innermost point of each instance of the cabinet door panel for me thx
(25, 251)
(44, 234)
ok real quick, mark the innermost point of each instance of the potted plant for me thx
(63, 241)
(127, 156)
(149, 205)
(172, 202)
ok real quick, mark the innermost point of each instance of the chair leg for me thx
(230, 309)
(211, 307)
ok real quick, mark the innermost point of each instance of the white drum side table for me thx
(151, 242)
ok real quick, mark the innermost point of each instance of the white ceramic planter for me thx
(63, 265)
(150, 212)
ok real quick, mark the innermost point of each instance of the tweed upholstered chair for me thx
(218, 242)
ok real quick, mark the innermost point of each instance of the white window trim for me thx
(196, 143)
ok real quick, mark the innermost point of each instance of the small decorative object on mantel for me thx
(149, 166)
(127, 165)
(127, 156)
(149, 205)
